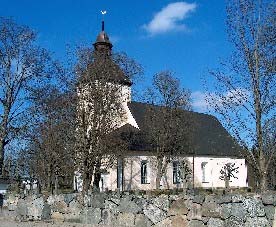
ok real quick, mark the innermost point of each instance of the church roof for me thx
(102, 38)
(103, 67)
(209, 137)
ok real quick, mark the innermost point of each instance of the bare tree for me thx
(244, 95)
(228, 171)
(167, 130)
(23, 66)
(103, 91)
(52, 140)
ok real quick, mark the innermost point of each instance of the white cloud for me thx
(235, 97)
(199, 101)
(170, 18)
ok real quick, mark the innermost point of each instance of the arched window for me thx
(203, 170)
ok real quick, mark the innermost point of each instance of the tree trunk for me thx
(56, 185)
(97, 176)
(159, 173)
(263, 182)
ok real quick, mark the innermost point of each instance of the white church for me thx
(211, 148)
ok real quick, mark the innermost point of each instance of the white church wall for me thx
(132, 173)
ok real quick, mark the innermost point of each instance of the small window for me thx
(144, 172)
(176, 172)
(203, 170)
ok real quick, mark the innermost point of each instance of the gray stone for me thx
(55, 198)
(74, 212)
(196, 223)
(270, 211)
(234, 222)
(174, 197)
(75, 206)
(165, 223)
(195, 212)
(215, 222)
(210, 198)
(69, 198)
(107, 217)
(21, 210)
(269, 198)
(178, 207)
(257, 222)
(91, 216)
(108, 204)
(224, 199)
(97, 200)
(115, 200)
(254, 207)
(226, 210)
(238, 211)
(179, 220)
(211, 209)
(35, 208)
(141, 202)
(142, 221)
(46, 212)
(198, 199)
(57, 216)
(59, 206)
(125, 219)
(154, 213)
(236, 198)
(161, 202)
(127, 206)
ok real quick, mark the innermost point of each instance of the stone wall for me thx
(125, 209)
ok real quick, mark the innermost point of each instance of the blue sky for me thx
(187, 37)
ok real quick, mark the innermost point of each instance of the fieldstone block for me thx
(270, 211)
(141, 202)
(254, 207)
(211, 209)
(226, 210)
(178, 207)
(46, 212)
(179, 220)
(97, 200)
(55, 198)
(195, 212)
(125, 219)
(238, 211)
(154, 213)
(215, 222)
(21, 210)
(57, 216)
(223, 199)
(237, 198)
(127, 206)
(109, 204)
(161, 202)
(142, 221)
(34, 209)
(165, 223)
(257, 222)
(269, 198)
(69, 198)
(107, 217)
(199, 199)
(91, 216)
(234, 222)
(59, 206)
(196, 223)
(210, 198)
